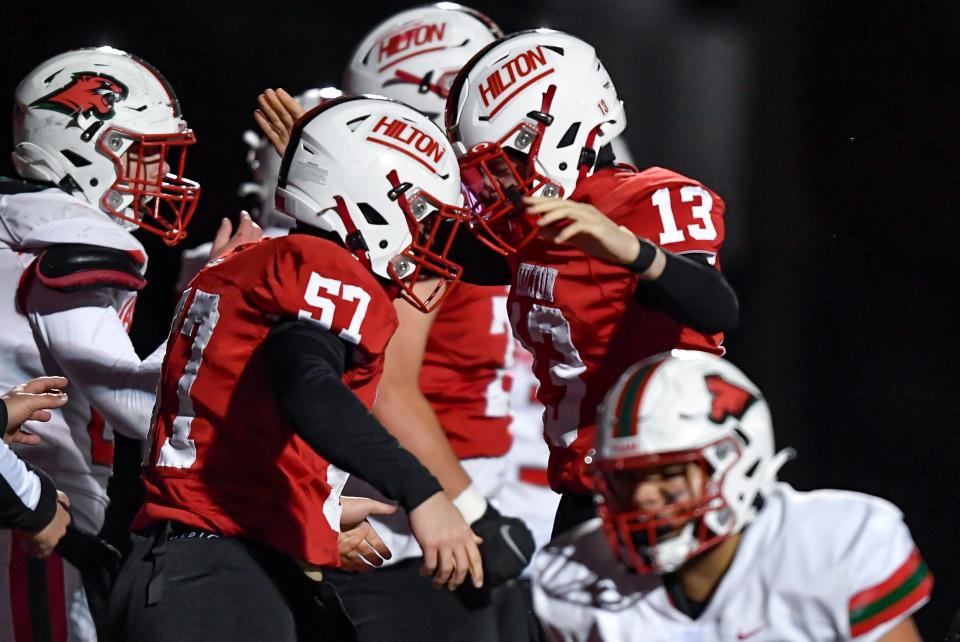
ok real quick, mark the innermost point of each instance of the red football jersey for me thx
(465, 374)
(579, 317)
(222, 458)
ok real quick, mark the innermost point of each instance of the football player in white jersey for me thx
(100, 141)
(696, 539)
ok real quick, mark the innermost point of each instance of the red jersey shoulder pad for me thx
(320, 254)
(622, 184)
(647, 181)
(317, 280)
(76, 267)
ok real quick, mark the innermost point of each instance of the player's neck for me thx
(701, 575)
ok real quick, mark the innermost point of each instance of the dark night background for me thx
(830, 128)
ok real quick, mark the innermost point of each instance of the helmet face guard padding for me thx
(544, 95)
(414, 55)
(78, 114)
(683, 407)
(353, 167)
(162, 202)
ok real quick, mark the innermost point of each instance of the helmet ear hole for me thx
(75, 158)
(370, 213)
(569, 136)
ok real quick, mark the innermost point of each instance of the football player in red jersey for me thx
(445, 388)
(444, 393)
(272, 363)
(608, 264)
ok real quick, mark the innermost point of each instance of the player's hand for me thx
(42, 543)
(507, 546)
(31, 401)
(449, 546)
(361, 549)
(276, 116)
(226, 239)
(585, 227)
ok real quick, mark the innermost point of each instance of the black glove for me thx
(99, 564)
(507, 546)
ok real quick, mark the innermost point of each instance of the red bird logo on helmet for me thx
(729, 400)
(87, 94)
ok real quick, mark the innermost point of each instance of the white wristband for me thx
(471, 503)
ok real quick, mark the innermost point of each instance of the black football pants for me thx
(396, 604)
(192, 587)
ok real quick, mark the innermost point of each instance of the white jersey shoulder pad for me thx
(34, 220)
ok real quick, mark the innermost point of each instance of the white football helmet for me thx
(78, 114)
(414, 55)
(381, 177)
(545, 96)
(683, 407)
(264, 163)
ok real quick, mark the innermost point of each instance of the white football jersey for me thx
(81, 335)
(823, 565)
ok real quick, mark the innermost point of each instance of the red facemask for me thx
(427, 255)
(163, 199)
(631, 530)
(496, 179)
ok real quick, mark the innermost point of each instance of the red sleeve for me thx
(675, 212)
(315, 280)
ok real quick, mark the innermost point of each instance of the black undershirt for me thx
(306, 364)
(690, 289)
(693, 292)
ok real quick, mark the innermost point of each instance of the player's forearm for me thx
(694, 292)
(28, 498)
(306, 365)
(128, 406)
(905, 631)
(407, 415)
(91, 347)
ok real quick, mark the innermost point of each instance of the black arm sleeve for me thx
(481, 265)
(15, 514)
(306, 364)
(694, 292)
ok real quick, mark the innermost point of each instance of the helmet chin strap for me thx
(588, 155)
(354, 240)
(544, 119)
